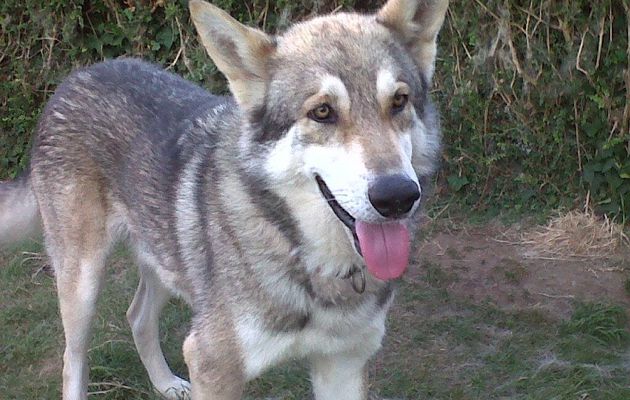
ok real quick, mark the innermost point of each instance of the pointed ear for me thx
(417, 22)
(241, 53)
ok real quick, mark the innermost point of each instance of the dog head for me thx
(338, 122)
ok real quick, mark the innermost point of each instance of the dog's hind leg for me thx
(78, 284)
(143, 316)
(75, 227)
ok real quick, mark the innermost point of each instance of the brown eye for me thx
(399, 102)
(323, 114)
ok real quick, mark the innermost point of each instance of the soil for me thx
(487, 264)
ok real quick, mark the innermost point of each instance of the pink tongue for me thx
(385, 248)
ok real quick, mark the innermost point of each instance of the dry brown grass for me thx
(575, 235)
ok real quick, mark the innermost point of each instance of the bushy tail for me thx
(19, 212)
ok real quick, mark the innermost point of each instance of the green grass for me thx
(605, 324)
(439, 345)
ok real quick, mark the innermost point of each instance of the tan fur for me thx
(216, 370)
(81, 243)
(221, 203)
(419, 23)
(240, 52)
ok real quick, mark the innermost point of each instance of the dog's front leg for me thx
(339, 377)
(215, 366)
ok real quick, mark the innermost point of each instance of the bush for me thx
(536, 103)
(535, 97)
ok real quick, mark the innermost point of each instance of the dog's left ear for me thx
(417, 23)
(241, 53)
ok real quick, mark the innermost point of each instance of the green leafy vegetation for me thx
(537, 104)
(535, 95)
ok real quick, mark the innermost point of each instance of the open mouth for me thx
(383, 246)
(343, 215)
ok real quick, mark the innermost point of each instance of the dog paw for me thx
(178, 389)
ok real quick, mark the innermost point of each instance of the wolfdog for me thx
(281, 214)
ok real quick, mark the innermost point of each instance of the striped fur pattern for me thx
(221, 198)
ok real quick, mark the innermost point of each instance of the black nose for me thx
(393, 195)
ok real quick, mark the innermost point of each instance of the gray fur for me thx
(126, 151)
(19, 214)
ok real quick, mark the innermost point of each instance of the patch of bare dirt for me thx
(489, 266)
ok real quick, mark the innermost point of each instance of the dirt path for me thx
(482, 264)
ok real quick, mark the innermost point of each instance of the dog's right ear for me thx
(241, 53)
